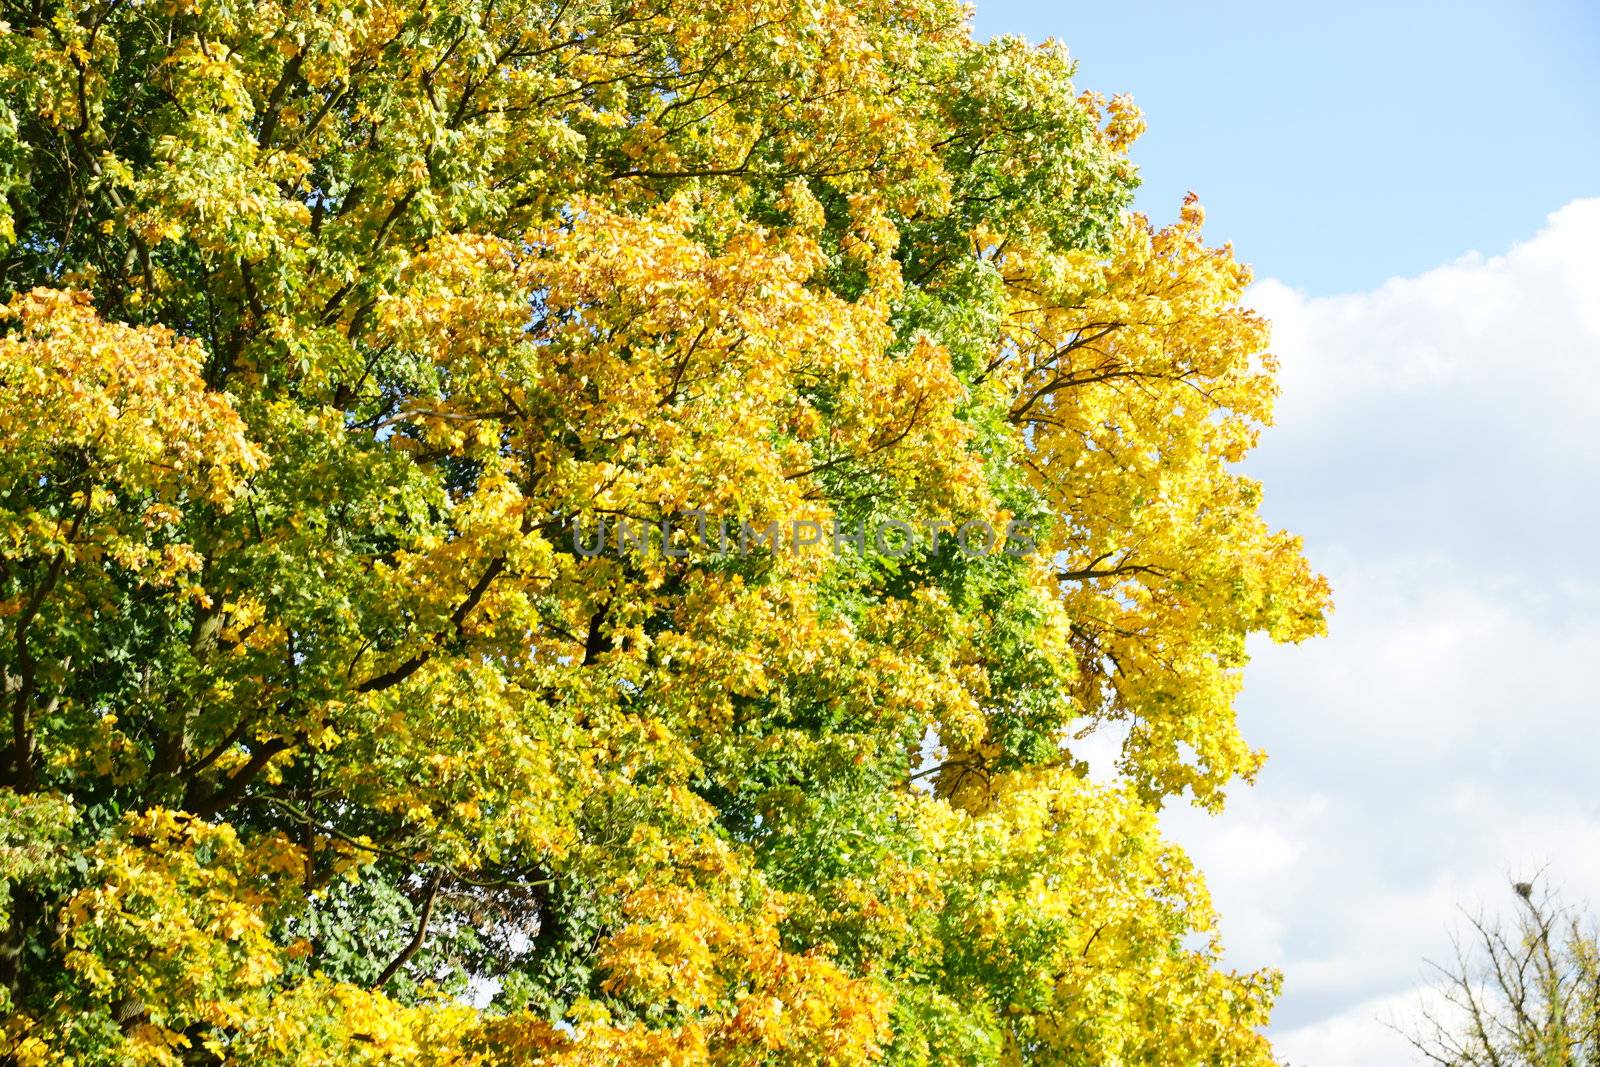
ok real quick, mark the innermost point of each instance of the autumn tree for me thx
(1523, 993)
(328, 328)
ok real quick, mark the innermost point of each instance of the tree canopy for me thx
(328, 327)
(1517, 993)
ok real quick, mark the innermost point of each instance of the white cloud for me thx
(1352, 1037)
(1438, 444)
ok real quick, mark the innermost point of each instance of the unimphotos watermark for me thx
(680, 536)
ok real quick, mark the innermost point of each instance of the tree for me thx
(1518, 994)
(331, 329)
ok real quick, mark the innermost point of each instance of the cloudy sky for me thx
(1418, 185)
(1437, 445)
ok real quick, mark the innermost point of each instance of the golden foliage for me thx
(334, 327)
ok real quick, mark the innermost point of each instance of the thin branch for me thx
(417, 939)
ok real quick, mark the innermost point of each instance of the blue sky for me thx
(1418, 188)
(1338, 145)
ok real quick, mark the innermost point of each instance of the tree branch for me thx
(417, 939)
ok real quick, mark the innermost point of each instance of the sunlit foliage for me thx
(325, 740)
